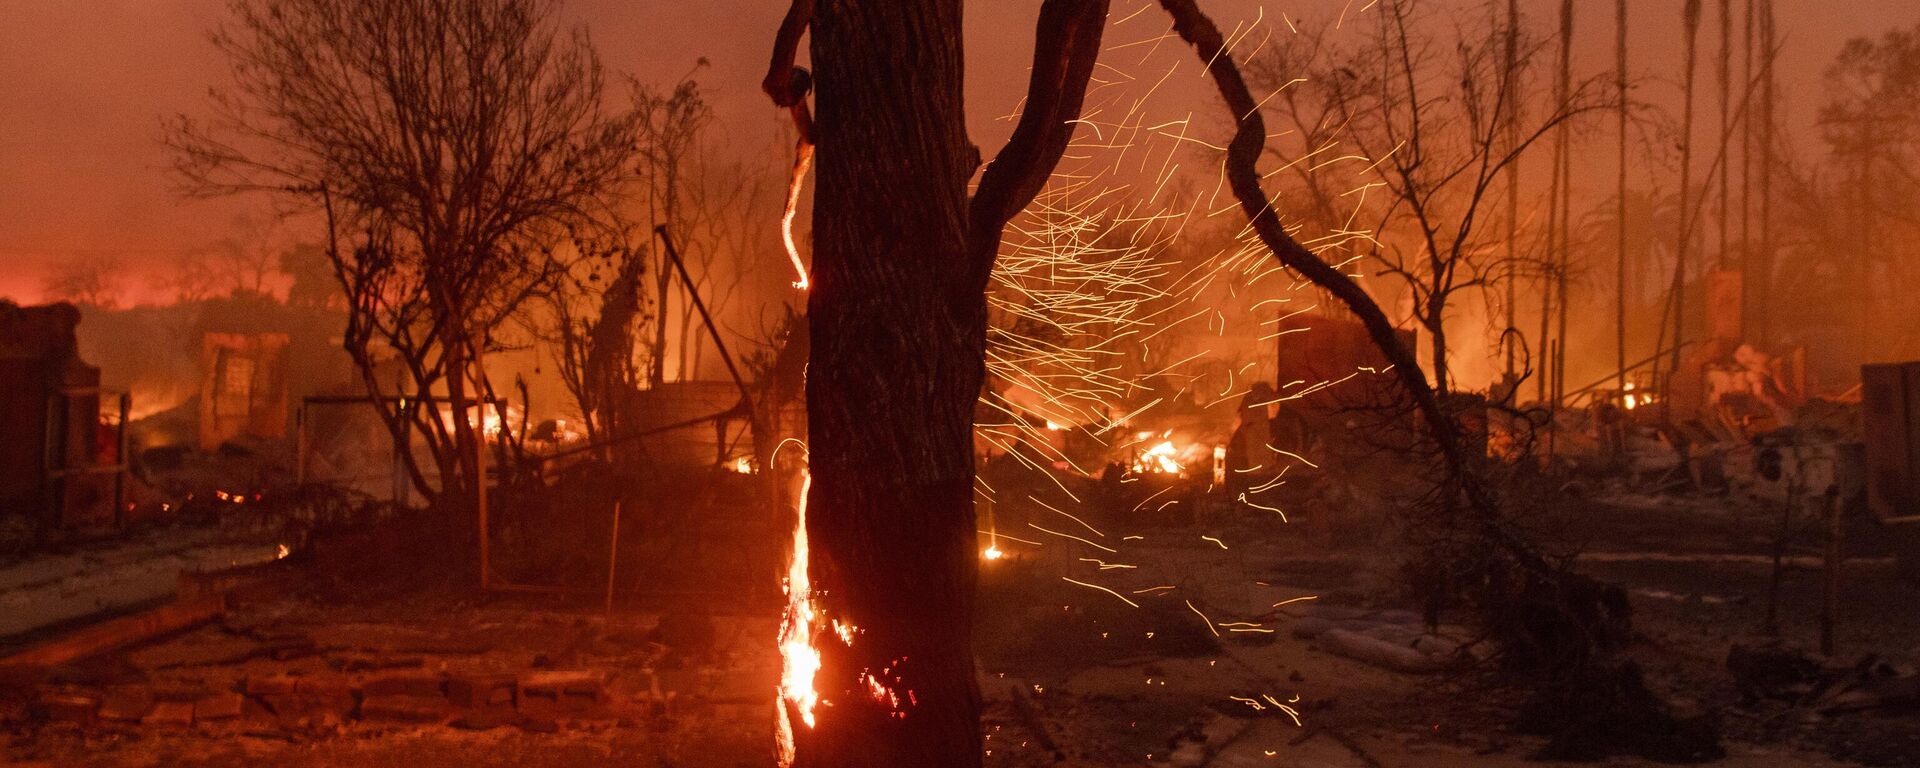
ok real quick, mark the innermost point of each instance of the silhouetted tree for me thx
(1432, 120)
(89, 279)
(448, 145)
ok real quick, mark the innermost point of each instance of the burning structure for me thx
(61, 466)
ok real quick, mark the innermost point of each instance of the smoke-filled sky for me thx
(84, 85)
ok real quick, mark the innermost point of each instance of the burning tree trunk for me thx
(897, 319)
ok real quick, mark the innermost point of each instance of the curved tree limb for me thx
(1243, 155)
(1243, 175)
(1066, 45)
(779, 82)
(1587, 618)
(788, 84)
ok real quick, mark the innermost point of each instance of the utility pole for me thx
(1511, 77)
(1620, 271)
(1726, 118)
(1691, 14)
(1763, 281)
(1558, 229)
(1746, 172)
(1566, 197)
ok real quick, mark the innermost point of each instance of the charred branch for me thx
(1066, 46)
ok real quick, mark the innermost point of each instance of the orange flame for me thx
(1163, 457)
(802, 159)
(800, 660)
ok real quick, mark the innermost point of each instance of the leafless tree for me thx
(310, 276)
(671, 125)
(1561, 627)
(724, 232)
(191, 276)
(596, 312)
(447, 146)
(89, 279)
(1871, 125)
(620, 312)
(1420, 125)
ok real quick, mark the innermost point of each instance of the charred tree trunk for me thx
(898, 317)
(898, 350)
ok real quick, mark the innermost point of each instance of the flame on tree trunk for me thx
(898, 316)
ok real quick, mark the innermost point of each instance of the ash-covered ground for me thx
(1187, 661)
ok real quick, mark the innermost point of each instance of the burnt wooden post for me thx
(1836, 538)
(125, 462)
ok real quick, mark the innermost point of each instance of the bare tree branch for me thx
(1066, 46)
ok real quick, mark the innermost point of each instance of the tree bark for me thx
(898, 316)
(897, 360)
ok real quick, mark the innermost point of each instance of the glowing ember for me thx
(491, 424)
(800, 163)
(1634, 399)
(992, 553)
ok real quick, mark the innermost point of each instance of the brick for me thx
(126, 705)
(271, 685)
(361, 662)
(290, 708)
(538, 724)
(589, 685)
(294, 649)
(181, 692)
(219, 706)
(405, 709)
(486, 719)
(560, 694)
(313, 700)
(475, 691)
(324, 687)
(416, 685)
(170, 714)
(70, 708)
